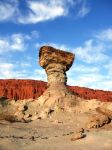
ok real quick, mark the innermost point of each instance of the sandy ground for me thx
(54, 133)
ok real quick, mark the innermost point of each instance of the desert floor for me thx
(54, 133)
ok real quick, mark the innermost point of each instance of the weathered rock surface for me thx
(56, 63)
(79, 134)
(33, 89)
(97, 121)
(90, 94)
(49, 55)
(21, 89)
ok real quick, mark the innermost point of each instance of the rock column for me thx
(56, 63)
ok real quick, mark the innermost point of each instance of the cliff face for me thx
(21, 89)
(89, 94)
(25, 89)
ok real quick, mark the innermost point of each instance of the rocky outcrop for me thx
(21, 89)
(90, 94)
(97, 121)
(56, 63)
(33, 89)
(53, 97)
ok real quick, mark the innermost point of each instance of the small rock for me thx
(34, 118)
(26, 116)
(44, 137)
(97, 121)
(77, 136)
(33, 138)
(57, 121)
(80, 130)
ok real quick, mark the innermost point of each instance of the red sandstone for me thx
(90, 94)
(26, 89)
(21, 89)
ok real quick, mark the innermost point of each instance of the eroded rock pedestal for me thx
(56, 63)
(56, 97)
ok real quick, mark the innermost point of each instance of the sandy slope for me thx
(54, 133)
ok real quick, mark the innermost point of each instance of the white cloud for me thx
(16, 41)
(84, 9)
(84, 75)
(91, 80)
(92, 52)
(5, 70)
(39, 74)
(95, 55)
(41, 11)
(38, 11)
(95, 50)
(12, 70)
(82, 69)
(24, 64)
(7, 9)
(105, 85)
(108, 68)
(3, 45)
(105, 35)
(20, 70)
(40, 71)
(6, 66)
(34, 34)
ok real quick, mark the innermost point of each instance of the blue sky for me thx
(83, 27)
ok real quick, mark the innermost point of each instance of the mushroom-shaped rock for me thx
(56, 62)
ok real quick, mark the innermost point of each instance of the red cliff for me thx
(89, 94)
(25, 89)
(21, 89)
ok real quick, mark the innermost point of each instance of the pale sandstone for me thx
(77, 136)
(97, 121)
(56, 63)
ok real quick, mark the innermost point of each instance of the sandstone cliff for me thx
(89, 94)
(25, 89)
(21, 89)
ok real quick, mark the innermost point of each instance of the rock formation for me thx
(86, 93)
(31, 89)
(57, 96)
(56, 63)
(21, 89)
(97, 120)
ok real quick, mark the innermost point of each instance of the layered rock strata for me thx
(56, 63)
(16, 89)
(19, 89)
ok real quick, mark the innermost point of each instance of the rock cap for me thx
(48, 55)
